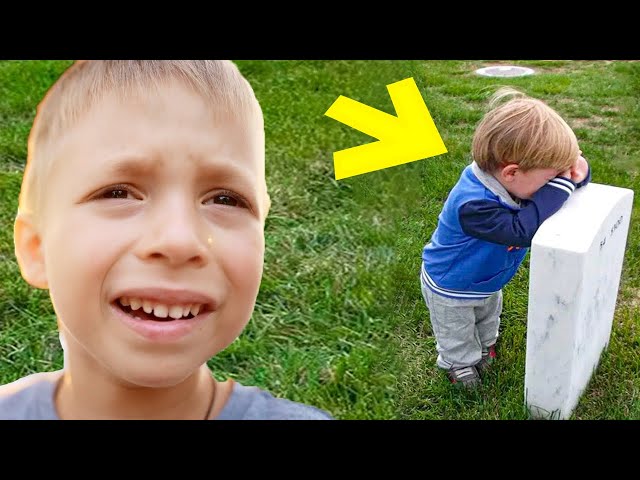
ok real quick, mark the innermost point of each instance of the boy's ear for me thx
(508, 173)
(28, 249)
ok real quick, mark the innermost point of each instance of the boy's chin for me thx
(150, 376)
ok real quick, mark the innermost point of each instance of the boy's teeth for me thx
(160, 310)
(175, 312)
(147, 306)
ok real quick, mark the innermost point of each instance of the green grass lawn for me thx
(340, 322)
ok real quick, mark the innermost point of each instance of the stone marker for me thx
(504, 71)
(576, 262)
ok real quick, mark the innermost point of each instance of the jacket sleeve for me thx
(493, 222)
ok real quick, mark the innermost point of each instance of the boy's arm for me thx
(489, 220)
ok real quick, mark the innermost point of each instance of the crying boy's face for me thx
(153, 238)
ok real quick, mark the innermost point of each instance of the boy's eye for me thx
(228, 199)
(116, 192)
(225, 200)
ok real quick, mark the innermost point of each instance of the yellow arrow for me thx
(410, 136)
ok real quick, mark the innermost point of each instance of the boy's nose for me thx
(177, 237)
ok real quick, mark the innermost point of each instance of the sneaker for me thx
(488, 357)
(466, 377)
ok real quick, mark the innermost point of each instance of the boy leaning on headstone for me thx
(526, 164)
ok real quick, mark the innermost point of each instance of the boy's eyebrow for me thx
(131, 165)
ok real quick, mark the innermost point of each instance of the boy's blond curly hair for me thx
(523, 130)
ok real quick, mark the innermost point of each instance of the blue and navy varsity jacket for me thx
(483, 234)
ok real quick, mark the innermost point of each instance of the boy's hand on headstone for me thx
(579, 170)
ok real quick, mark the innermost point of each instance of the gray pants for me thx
(463, 328)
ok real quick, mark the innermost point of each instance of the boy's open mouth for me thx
(151, 310)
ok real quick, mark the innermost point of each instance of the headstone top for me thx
(575, 226)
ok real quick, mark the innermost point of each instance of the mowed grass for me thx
(340, 322)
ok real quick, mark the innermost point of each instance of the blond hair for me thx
(85, 83)
(524, 131)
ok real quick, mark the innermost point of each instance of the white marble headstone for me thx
(576, 262)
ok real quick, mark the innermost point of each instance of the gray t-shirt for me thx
(31, 398)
